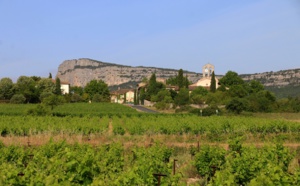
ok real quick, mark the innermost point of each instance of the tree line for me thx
(233, 93)
(35, 89)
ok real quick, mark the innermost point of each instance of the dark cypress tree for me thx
(57, 86)
(180, 79)
(125, 98)
(186, 82)
(142, 96)
(50, 76)
(135, 97)
(213, 82)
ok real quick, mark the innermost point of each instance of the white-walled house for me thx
(64, 87)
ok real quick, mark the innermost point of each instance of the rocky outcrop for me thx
(79, 72)
(279, 78)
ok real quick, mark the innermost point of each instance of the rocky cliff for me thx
(78, 72)
(279, 78)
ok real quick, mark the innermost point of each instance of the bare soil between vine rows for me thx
(97, 140)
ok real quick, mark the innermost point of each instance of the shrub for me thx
(53, 101)
(45, 95)
(211, 110)
(195, 111)
(18, 99)
(162, 105)
(119, 130)
(183, 108)
(39, 110)
(75, 98)
(99, 98)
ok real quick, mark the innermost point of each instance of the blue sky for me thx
(244, 36)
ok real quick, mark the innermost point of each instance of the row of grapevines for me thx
(31, 125)
(71, 109)
(147, 124)
(240, 165)
(64, 164)
(184, 124)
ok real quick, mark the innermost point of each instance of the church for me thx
(205, 81)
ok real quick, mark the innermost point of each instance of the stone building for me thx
(205, 81)
(120, 95)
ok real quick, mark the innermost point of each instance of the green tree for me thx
(199, 91)
(50, 76)
(53, 101)
(236, 105)
(162, 95)
(44, 95)
(142, 95)
(186, 82)
(255, 86)
(98, 87)
(125, 98)
(172, 81)
(163, 99)
(180, 79)
(295, 104)
(217, 98)
(6, 88)
(36, 78)
(238, 91)
(262, 101)
(213, 82)
(173, 93)
(231, 78)
(76, 90)
(27, 87)
(45, 85)
(57, 86)
(182, 97)
(197, 99)
(135, 97)
(153, 87)
(198, 95)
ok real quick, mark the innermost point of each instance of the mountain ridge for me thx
(78, 72)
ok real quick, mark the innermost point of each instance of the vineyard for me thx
(192, 127)
(111, 144)
(76, 109)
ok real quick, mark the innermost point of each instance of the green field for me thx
(71, 109)
(113, 144)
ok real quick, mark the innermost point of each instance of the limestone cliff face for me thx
(79, 72)
(279, 78)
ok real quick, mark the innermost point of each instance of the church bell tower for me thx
(207, 70)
